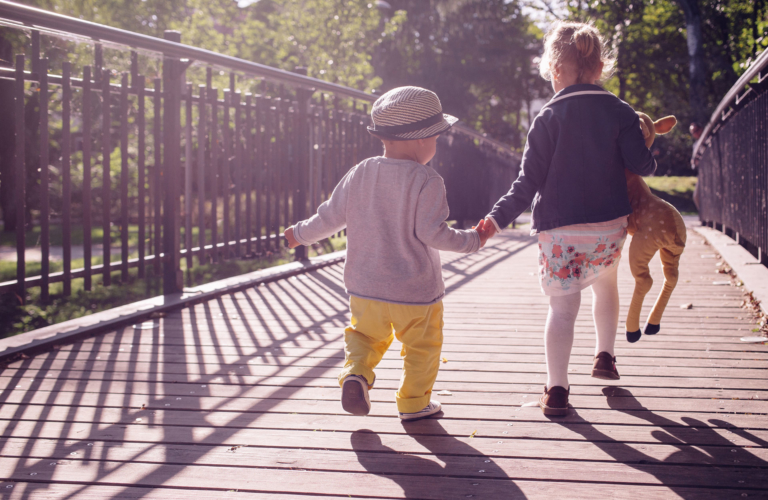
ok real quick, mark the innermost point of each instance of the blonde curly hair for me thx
(578, 49)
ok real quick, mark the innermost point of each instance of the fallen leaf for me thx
(445, 360)
(473, 434)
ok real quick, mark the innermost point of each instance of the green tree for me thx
(476, 54)
(654, 67)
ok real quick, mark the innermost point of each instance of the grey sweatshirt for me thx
(394, 212)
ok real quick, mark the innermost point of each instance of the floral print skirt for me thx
(573, 257)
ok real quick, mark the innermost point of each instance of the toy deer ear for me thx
(664, 125)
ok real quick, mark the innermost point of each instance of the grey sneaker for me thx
(354, 395)
(432, 408)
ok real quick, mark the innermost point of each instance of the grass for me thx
(676, 190)
(18, 318)
(672, 185)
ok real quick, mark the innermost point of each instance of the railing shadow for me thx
(724, 466)
(255, 325)
(163, 362)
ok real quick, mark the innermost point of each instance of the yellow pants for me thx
(374, 325)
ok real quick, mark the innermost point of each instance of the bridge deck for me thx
(237, 397)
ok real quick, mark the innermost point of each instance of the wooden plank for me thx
(638, 427)
(78, 381)
(460, 403)
(312, 482)
(47, 491)
(144, 440)
(457, 360)
(369, 454)
(144, 341)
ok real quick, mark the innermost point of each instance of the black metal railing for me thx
(171, 168)
(731, 157)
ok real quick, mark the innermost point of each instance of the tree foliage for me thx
(478, 55)
(652, 71)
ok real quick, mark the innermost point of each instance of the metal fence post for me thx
(302, 157)
(21, 180)
(172, 71)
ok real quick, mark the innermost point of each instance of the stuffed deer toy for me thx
(655, 225)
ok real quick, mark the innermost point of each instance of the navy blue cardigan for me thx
(574, 159)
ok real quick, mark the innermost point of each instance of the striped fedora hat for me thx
(408, 113)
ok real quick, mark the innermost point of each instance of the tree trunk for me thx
(696, 67)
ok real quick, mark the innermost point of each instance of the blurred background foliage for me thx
(480, 56)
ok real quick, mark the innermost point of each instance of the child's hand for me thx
(292, 242)
(484, 230)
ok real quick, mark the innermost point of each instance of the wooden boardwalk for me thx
(237, 398)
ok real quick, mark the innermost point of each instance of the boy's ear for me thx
(664, 125)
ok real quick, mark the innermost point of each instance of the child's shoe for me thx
(605, 367)
(554, 401)
(432, 408)
(354, 395)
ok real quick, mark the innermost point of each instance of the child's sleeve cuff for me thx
(297, 235)
(495, 224)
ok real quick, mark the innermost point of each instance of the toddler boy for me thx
(394, 209)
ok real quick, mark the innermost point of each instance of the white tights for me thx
(559, 330)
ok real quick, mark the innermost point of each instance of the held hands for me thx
(485, 229)
(290, 239)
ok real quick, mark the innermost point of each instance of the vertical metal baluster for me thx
(213, 96)
(288, 161)
(157, 182)
(337, 158)
(269, 187)
(202, 139)
(301, 136)
(21, 180)
(237, 173)
(258, 167)
(247, 166)
(325, 162)
(106, 200)
(44, 180)
(142, 181)
(124, 177)
(66, 175)
(225, 177)
(188, 177)
(87, 244)
(279, 164)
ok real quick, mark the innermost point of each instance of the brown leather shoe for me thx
(554, 401)
(605, 367)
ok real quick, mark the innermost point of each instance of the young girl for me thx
(573, 172)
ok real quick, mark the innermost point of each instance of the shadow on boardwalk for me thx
(711, 457)
(426, 477)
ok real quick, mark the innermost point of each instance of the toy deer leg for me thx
(670, 260)
(641, 252)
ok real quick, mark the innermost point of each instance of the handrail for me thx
(37, 18)
(33, 18)
(733, 94)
